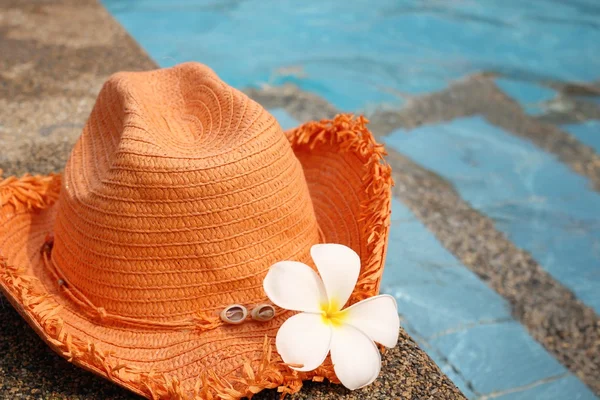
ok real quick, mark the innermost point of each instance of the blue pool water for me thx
(359, 53)
(588, 133)
(531, 96)
(365, 55)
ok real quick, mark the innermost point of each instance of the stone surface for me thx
(30, 370)
(50, 75)
(403, 378)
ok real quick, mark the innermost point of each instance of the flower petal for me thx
(295, 286)
(339, 267)
(377, 317)
(304, 339)
(356, 359)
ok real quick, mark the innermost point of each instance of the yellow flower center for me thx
(331, 313)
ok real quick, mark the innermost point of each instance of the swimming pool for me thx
(527, 67)
(360, 53)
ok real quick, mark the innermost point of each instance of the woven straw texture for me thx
(179, 195)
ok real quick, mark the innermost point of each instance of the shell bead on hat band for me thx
(263, 312)
(234, 314)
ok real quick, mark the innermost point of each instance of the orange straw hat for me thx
(177, 198)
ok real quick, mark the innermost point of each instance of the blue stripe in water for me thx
(358, 53)
(530, 96)
(587, 132)
(537, 201)
(456, 317)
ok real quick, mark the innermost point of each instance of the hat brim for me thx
(350, 186)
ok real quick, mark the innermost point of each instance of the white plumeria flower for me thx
(305, 339)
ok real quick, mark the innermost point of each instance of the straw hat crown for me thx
(178, 197)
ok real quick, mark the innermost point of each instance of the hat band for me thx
(202, 321)
(40, 192)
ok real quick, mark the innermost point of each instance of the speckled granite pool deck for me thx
(482, 306)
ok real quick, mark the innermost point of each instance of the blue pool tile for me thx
(457, 379)
(498, 357)
(401, 213)
(568, 387)
(541, 205)
(286, 121)
(451, 372)
(459, 321)
(435, 292)
(587, 132)
(528, 95)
